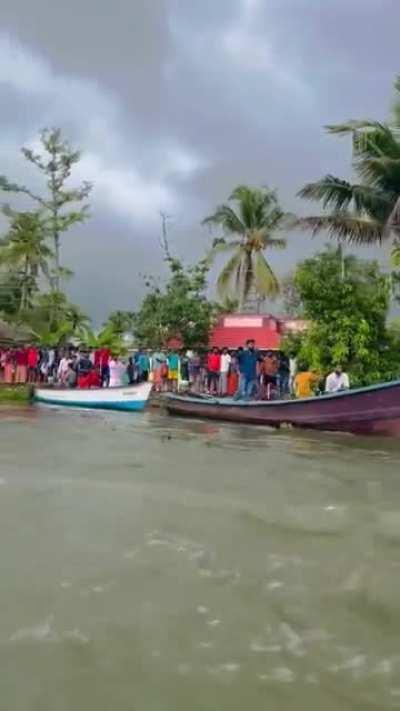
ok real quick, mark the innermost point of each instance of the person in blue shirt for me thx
(248, 363)
(143, 362)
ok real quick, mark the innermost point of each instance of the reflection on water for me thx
(158, 563)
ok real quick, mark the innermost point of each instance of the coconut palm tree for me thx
(248, 222)
(361, 212)
(120, 321)
(24, 251)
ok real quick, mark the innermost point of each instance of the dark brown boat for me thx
(370, 410)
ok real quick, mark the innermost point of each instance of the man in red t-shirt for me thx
(213, 369)
(33, 360)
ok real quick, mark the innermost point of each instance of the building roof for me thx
(234, 330)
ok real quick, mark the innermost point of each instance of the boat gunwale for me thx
(230, 402)
(60, 389)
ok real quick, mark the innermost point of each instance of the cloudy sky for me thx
(174, 102)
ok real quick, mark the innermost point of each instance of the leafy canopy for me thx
(180, 310)
(348, 317)
(59, 205)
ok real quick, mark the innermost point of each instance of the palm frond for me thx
(340, 194)
(265, 280)
(345, 227)
(393, 223)
(228, 273)
(344, 129)
(275, 242)
(226, 218)
(221, 247)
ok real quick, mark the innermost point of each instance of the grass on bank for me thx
(14, 393)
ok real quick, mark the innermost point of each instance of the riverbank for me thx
(14, 393)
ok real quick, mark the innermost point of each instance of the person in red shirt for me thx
(33, 360)
(21, 361)
(213, 369)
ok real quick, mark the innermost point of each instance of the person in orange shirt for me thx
(305, 382)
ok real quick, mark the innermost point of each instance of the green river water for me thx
(157, 564)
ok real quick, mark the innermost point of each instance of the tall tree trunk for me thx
(24, 286)
(57, 260)
(56, 235)
(342, 262)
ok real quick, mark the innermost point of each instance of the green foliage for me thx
(55, 320)
(10, 293)
(25, 253)
(120, 322)
(179, 310)
(248, 228)
(363, 212)
(348, 317)
(18, 395)
(55, 162)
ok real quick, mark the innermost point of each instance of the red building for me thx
(233, 330)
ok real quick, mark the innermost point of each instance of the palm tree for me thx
(361, 212)
(248, 226)
(24, 251)
(55, 320)
(120, 321)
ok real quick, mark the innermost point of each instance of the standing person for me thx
(144, 365)
(130, 371)
(184, 358)
(71, 376)
(173, 370)
(292, 373)
(159, 369)
(195, 372)
(63, 368)
(269, 372)
(33, 362)
(117, 370)
(284, 375)
(305, 382)
(224, 371)
(104, 360)
(248, 366)
(337, 380)
(9, 366)
(21, 365)
(213, 370)
(233, 375)
(85, 367)
(52, 363)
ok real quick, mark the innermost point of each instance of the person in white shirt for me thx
(337, 381)
(224, 371)
(117, 370)
(292, 373)
(62, 371)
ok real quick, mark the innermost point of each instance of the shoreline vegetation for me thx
(346, 299)
(15, 394)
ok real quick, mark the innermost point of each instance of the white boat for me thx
(130, 397)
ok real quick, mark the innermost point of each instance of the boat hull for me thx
(128, 399)
(371, 410)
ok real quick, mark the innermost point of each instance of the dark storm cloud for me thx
(175, 102)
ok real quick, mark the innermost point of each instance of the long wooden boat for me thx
(130, 397)
(370, 410)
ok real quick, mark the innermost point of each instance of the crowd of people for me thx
(243, 373)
